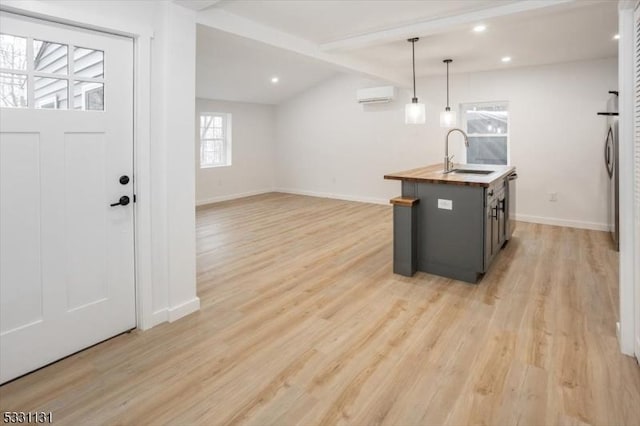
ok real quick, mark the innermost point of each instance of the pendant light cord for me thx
(447, 85)
(413, 54)
(447, 61)
(413, 61)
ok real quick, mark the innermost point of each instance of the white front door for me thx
(66, 153)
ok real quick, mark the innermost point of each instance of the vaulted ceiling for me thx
(244, 41)
(236, 68)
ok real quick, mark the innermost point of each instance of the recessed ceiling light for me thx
(506, 59)
(479, 28)
(274, 80)
(616, 37)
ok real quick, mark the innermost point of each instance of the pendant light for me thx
(447, 117)
(414, 112)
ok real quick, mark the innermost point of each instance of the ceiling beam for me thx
(197, 4)
(234, 24)
(438, 25)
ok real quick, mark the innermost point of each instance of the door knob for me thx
(124, 179)
(124, 200)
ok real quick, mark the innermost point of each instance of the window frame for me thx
(226, 139)
(463, 108)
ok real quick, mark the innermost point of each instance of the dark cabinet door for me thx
(502, 219)
(495, 227)
(488, 235)
(495, 231)
(492, 227)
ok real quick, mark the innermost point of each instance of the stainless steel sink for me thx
(472, 171)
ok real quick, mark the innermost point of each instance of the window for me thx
(45, 77)
(487, 126)
(13, 81)
(215, 139)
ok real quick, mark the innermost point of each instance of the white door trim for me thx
(626, 328)
(61, 14)
(636, 172)
(141, 36)
(142, 173)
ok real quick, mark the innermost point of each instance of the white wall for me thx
(329, 145)
(253, 153)
(165, 112)
(179, 91)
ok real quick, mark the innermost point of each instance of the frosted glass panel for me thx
(414, 113)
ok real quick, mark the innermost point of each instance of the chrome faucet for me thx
(448, 163)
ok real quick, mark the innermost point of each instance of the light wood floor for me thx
(302, 322)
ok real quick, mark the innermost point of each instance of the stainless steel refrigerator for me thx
(611, 164)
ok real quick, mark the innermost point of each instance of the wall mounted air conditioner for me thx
(374, 95)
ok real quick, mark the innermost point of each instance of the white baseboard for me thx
(370, 200)
(626, 349)
(175, 313)
(158, 317)
(183, 309)
(232, 196)
(563, 222)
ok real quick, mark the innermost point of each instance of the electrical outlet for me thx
(553, 196)
(445, 204)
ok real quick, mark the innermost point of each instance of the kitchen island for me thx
(452, 224)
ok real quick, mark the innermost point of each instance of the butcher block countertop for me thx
(434, 174)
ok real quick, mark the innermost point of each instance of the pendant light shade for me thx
(414, 113)
(448, 117)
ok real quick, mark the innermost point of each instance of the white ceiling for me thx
(329, 20)
(257, 39)
(234, 68)
(535, 38)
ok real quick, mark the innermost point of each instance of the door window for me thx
(46, 78)
(13, 90)
(51, 93)
(50, 58)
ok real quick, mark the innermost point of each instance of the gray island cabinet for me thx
(452, 224)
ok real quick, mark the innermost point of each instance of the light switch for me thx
(445, 204)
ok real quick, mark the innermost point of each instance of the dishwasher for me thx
(511, 205)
